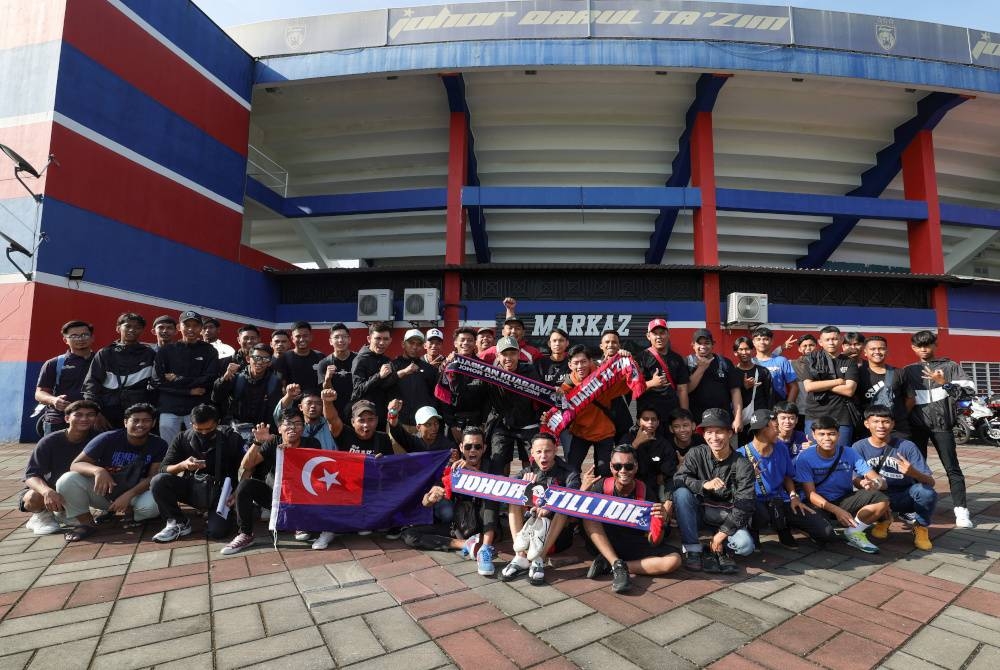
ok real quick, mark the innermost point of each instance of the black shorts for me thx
(633, 545)
(854, 502)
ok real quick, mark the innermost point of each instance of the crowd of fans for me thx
(830, 444)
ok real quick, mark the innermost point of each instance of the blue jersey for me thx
(810, 466)
(782, 374)
(895, 479)
(795, 444)
(773, 469)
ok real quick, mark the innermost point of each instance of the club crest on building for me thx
(885, 33)
(295, 36)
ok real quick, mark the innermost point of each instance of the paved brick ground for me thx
(123, 602)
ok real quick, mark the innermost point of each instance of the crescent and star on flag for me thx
(328, 478)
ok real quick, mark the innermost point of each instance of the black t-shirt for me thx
(872, 390)
(379, 443)
(301, 370)
(696, 440)
(714, 389)
(820, 366)
(552, 372)
(664, 399)
(52, 456)
(657, 464)
(342, 381)
(70, 381)
(764, 397)
(560, 474)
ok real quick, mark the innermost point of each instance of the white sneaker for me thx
(43, 523)
(469, 548)
(962, 519)
(523, 538)
(324, 539)
(364, 533)
(172, 531)
(303, 536)
(538, 539)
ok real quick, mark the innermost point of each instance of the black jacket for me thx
(700, 466)
(512, 410)
(247, 400)
(119, 376)
(416, 390)
(196, 366)
(187, 444)
(368, 385)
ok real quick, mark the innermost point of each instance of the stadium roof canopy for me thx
(594, 103)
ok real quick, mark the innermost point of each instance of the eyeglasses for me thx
(473, 447)
(79, 336)
(628, 467)
(298, 425)
(260, 359)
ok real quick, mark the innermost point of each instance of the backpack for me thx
(40, 408)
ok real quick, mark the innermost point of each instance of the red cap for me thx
(656, 323)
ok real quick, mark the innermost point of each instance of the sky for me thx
(977, 14)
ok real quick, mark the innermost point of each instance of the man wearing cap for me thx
(417, 378)
(485, 339)
(184, 373)
(430, 434)
(299, 365)
(433, 347)
(713, 380)
(715, 487)
(660, 361)
(165, 331)
(210, 333)
(513, 418)
(774, 484)
(360, 437)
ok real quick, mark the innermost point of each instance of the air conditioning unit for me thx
(375, 304)
(420, 304)
(746, 308)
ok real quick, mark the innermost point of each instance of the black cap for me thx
(702, 333)
(716, 418)
(164, 319)
(189, 315)
(760, 419)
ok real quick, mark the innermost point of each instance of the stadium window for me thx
(986, 376)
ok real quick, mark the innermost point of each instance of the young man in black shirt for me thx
(713, 380)
(248, 397)
(300, 364)
(682, 432)
(416, 378)
(374, 378)
(554, 367)
(656, 457)
(430, 435)
(882, 384)
(468, 395)
(51, 459)
(205, 448)
(513, 417)
(361, 436)
(830, 378)
(262, 454)
(60, 381)
(334, 371)
(120, 373)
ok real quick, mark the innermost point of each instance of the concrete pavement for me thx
(122, 601)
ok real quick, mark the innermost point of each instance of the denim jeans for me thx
(171, 425)
(690, 515)
(918, 498)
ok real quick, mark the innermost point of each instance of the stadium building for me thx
(603, 161)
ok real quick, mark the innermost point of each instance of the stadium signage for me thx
(581, 325)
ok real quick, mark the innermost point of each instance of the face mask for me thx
(202, 440)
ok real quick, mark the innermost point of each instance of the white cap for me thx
(425, 414)
(434, 332)
(411, 333)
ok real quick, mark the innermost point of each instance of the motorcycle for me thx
(976, 419)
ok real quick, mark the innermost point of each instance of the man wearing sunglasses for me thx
(248, 396)
(625, 550)
(463, 522)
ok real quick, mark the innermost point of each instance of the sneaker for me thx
(364, 532)
(43, 523)
(858, 540)
(537, 542)
(921, 538)
(324, 539)
(522, 540)
(518, 566)
(239, 543)
(620, 581)
(962, 519)
(469, 548)
(786, 539)
(727, 562)
(910, 518)
(393, 533)
(303, 536)
(710, 562)
(173, 531)
(484, 560)
(880, 531)
(693, 561)
(536, 573)
(599, 567)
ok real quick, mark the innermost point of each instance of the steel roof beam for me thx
(888, 162)
(454, 86)
(706, 92)
(969, 248)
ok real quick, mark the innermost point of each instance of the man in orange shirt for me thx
(594, 424)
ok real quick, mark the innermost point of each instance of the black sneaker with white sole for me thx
(620, 580)
(599, 567)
